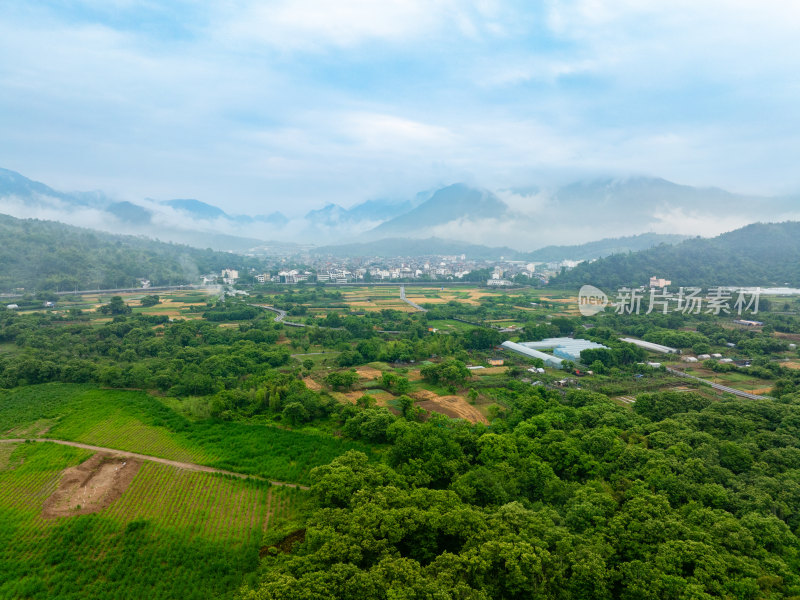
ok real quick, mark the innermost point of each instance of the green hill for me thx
(603, 247)
(46, 255)
(765, 254)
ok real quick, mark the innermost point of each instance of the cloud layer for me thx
(288, 104)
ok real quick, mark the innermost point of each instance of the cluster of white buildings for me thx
(340, 275)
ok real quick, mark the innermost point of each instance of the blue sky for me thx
(285, 105)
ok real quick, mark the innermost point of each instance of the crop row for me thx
(126, 432)
(172, 534)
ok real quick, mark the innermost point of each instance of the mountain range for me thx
(522, 220)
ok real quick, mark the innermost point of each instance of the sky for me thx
(256, 106)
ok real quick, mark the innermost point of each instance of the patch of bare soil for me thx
(91, 486)
(760, 391)
(793, 337)
(413, 375)
(314, 386)
(369, 373)
(791, 365)
(452, 406)
(286, 545)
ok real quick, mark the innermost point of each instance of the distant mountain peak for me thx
(197, 208)
(454, 202)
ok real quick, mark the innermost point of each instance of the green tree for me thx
(116, 306)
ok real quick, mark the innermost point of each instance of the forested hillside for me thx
(765, 254)
(604, 247)
(45, 255)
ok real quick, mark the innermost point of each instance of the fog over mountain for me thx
(523, 219)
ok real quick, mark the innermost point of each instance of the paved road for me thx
(409, 302)
(717, 386)
(163, 461)
(280, 315)
(158, 288)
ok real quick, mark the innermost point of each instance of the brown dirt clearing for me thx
(794, 337)
(369, 373)
(314, 386)
(91, 486)
(285, 546)
(414, 375)
(760, 391)
(451, 406)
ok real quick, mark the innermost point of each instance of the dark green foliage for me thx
(46, 256)
(581, 499)
(450, 372)
(235, 312)
(759, 254)
(150, 300)
(662, 405)
(117, 306)
(343, 380)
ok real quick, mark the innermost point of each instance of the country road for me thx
(720, 387)
(163, 461)
(280, 315)
(409, 302)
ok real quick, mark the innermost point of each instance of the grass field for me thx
(171, 534)
(734, 379)
(138, 422)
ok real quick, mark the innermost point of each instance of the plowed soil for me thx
(451, 406)
(91, 486)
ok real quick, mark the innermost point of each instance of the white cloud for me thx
(400, 95)
(317, 24)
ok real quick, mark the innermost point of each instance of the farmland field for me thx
(138, 422)
(171, 534)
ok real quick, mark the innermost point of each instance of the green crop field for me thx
(139, 422)
(172, 533)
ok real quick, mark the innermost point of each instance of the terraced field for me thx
(170, 533)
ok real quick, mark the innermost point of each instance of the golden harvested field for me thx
(760, 391)
(490, 371)
(382, 397)
(378, 298)
(366, 372)
(423, 295)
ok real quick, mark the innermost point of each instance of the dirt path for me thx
(163, 461)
